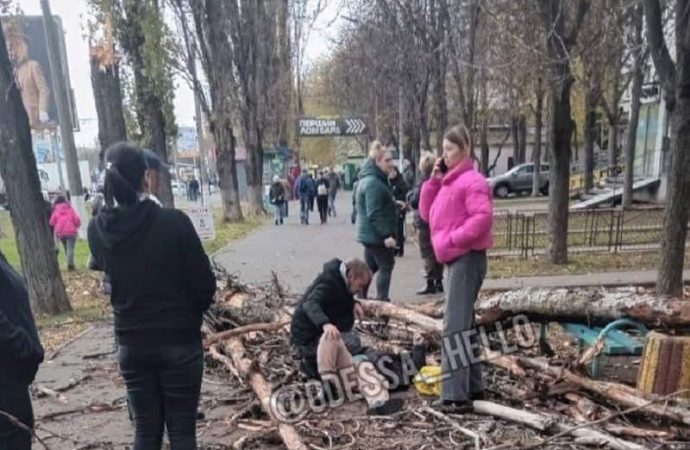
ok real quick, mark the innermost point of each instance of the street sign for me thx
(202, 218)
(338, 126)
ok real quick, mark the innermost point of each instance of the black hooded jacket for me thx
(20, 347)
(327, 300)
(161, 278)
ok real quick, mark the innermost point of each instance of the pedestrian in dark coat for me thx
(162, 283)
(400, 189)
(20, 355)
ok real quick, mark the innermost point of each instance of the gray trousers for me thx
(461, 370)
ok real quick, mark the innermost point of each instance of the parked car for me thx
(519, 179)
(178, 188)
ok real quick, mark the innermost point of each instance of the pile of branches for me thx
(532, 402)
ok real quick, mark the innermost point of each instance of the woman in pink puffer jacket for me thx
(457, 204)
(66, 223)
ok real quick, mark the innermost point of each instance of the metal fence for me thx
(525, 233)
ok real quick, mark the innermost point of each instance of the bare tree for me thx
(27, 206)
(143, 36)
(641, 54)
(211, 46)
(675, 79)
(105, 78)
(562, 27)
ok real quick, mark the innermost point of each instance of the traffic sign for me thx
(338, 126)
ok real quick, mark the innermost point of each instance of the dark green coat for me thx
(377, 213)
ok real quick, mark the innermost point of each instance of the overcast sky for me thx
(73, 12)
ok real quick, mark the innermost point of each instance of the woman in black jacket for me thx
(162, 283)
(400, 189)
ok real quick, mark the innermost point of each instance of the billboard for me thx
(26, 44)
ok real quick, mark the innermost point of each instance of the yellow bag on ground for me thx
(428, 381)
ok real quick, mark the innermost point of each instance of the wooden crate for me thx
(665, 365)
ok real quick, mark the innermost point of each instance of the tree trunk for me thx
(227, 168)
(559, 174)
(522, 136)
(148, 84)
(108, 96)
(613, 141)
(562, 125)
(538, 129)
(514, 129)
(583, 306)
(484, 143)
(27, 206)
(638, 80)
(670, 280)
(591, 102)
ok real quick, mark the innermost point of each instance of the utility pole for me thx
(62, 102)
(203, 172)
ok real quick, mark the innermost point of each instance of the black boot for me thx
(438, 284)
(430, 288)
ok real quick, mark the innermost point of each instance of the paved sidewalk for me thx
(297, 253)
(608, 279)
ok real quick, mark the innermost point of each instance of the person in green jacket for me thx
(377, 216)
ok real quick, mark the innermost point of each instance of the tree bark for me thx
(211, 20)
(514, 130)
(675, 80)
(591, 102)
(149, 99)
(538, 130)
(107, 91)
(560, 41)
(262, 389)
(27, 206)
(585, 306)
(522, 136)
(638, 80)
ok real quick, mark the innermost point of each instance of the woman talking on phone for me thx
(457, 204)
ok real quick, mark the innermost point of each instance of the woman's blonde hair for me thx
(426, 163)
(460, 136)
(376, 150)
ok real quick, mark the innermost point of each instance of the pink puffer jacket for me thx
(65, 220)
(459, 210)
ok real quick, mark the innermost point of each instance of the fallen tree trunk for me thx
(544, 423)
(223, 335)
(615, 392)
(582, 305)
(262, 389)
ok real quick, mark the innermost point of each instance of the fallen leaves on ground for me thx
(89, 305)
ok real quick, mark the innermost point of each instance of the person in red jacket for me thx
(66, 223)
(456, 202)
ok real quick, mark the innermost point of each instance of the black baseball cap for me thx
(154, 162)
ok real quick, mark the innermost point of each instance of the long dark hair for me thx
(125, 169)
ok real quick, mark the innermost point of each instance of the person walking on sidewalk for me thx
(400, 189)
(433, 270)
(333, 188)
(277, 196)
(322, 188)
(162, 283)
(377, 217)
(456, 201)
(305, 190)
(20, 357)
(322, 334)
(66, 223)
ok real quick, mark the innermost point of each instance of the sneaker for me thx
(392, 406)
(452, 407)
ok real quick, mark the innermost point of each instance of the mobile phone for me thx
(442, 165)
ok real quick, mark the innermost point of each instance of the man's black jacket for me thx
(327, 300)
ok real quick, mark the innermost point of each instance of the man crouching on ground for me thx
(322, 332)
